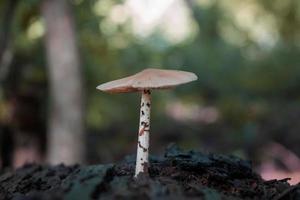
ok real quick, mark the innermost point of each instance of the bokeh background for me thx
(246, 53)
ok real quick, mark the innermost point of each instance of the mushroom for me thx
(144, 82)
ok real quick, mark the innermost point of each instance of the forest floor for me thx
(176, 175)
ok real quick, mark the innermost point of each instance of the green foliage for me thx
(237, 70)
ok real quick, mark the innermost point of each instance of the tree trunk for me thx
(7, 17)
(66, 120)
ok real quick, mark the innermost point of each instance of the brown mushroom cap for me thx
(148, 79)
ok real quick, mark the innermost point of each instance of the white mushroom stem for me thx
(142, 158)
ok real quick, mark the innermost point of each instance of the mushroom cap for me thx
(148, 79)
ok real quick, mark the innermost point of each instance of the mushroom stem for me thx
(142, 158)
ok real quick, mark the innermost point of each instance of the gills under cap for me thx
(148, 79)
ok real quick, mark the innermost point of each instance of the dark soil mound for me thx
(177, 175)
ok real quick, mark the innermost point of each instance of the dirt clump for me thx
(176, 175)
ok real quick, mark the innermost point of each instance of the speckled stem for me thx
(142, 158)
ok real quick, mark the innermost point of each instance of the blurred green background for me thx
(246, 54)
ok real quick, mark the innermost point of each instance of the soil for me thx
(176, 175)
